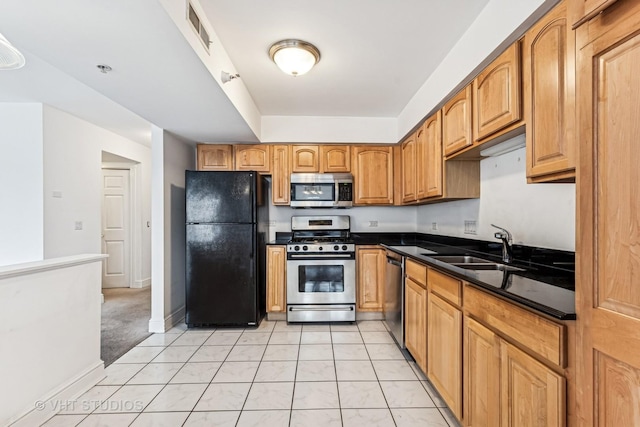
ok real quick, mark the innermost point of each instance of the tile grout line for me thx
(335, 368)
(378, 379)
(93, 412)
(167, 383)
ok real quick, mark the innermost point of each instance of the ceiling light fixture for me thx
(294, 57)
(10, 57)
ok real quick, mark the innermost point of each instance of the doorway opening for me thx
(127, 296)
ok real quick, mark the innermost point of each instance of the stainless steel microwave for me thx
(321, 190)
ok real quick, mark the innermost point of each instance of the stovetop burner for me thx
(320, 235)
(320, 240)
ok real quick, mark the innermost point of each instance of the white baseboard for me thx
(160, 326)
(49, 406)
(139, 284)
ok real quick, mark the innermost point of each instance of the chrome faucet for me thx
(505, 236)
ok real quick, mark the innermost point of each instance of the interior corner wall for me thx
(72, 171)
(171, 156)
(540, 215)
(495, 23)
(21, 183)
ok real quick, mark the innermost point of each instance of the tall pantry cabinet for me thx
(608, 225)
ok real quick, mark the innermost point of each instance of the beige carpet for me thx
(125, 321)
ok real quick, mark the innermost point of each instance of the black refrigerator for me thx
(227, 221)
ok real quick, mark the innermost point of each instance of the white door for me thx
(115, 228)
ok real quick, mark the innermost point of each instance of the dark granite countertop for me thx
(546, 284)
(536, 287)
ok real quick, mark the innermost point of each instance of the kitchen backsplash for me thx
(541, 215)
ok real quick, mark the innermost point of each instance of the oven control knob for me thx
(320, 248)
(304, 248)
(336, 247)
(344, 247)
(296, 248)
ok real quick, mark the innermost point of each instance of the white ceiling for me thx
(376, 54)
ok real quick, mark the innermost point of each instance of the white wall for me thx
(72, 166)
(50, 334)
(497, 21)
(329, 129)
(21, 183)
(536, 214)
(390, 219)
(171, 156)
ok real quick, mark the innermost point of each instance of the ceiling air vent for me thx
(198, 27)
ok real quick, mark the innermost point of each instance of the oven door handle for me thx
(322, 256)
(327, 308)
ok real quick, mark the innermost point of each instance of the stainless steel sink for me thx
(473, 263)
(461, 259)
(492, 266)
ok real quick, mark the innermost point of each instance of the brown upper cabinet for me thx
(430, 179)
(280, 174)
(426, 177)
(253, 157)
(497, 102)
(421, 162)
(456, 122)
(305, 158)
(408, 150)
(549, 96)
(372, 175)
(215, 157)
(585, 10)
(335, 158)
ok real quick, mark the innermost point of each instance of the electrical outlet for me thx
(78, 225)
(373, 223)
(57, 194)
(469, 227)
(434, 226)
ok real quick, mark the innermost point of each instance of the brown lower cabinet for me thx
(514, 364)
(371, 264)
(415, 312)
(444, 332)
(415, 332)
(481, 360)
(276, 279)
(444, 351)
(505, 386)
(494, 363)
(530, 393)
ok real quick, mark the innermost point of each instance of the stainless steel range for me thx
(321, 270)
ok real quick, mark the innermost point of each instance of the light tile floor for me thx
(274, 375)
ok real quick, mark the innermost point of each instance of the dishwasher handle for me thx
(394, 262)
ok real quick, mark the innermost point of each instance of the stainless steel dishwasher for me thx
(394, 297)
